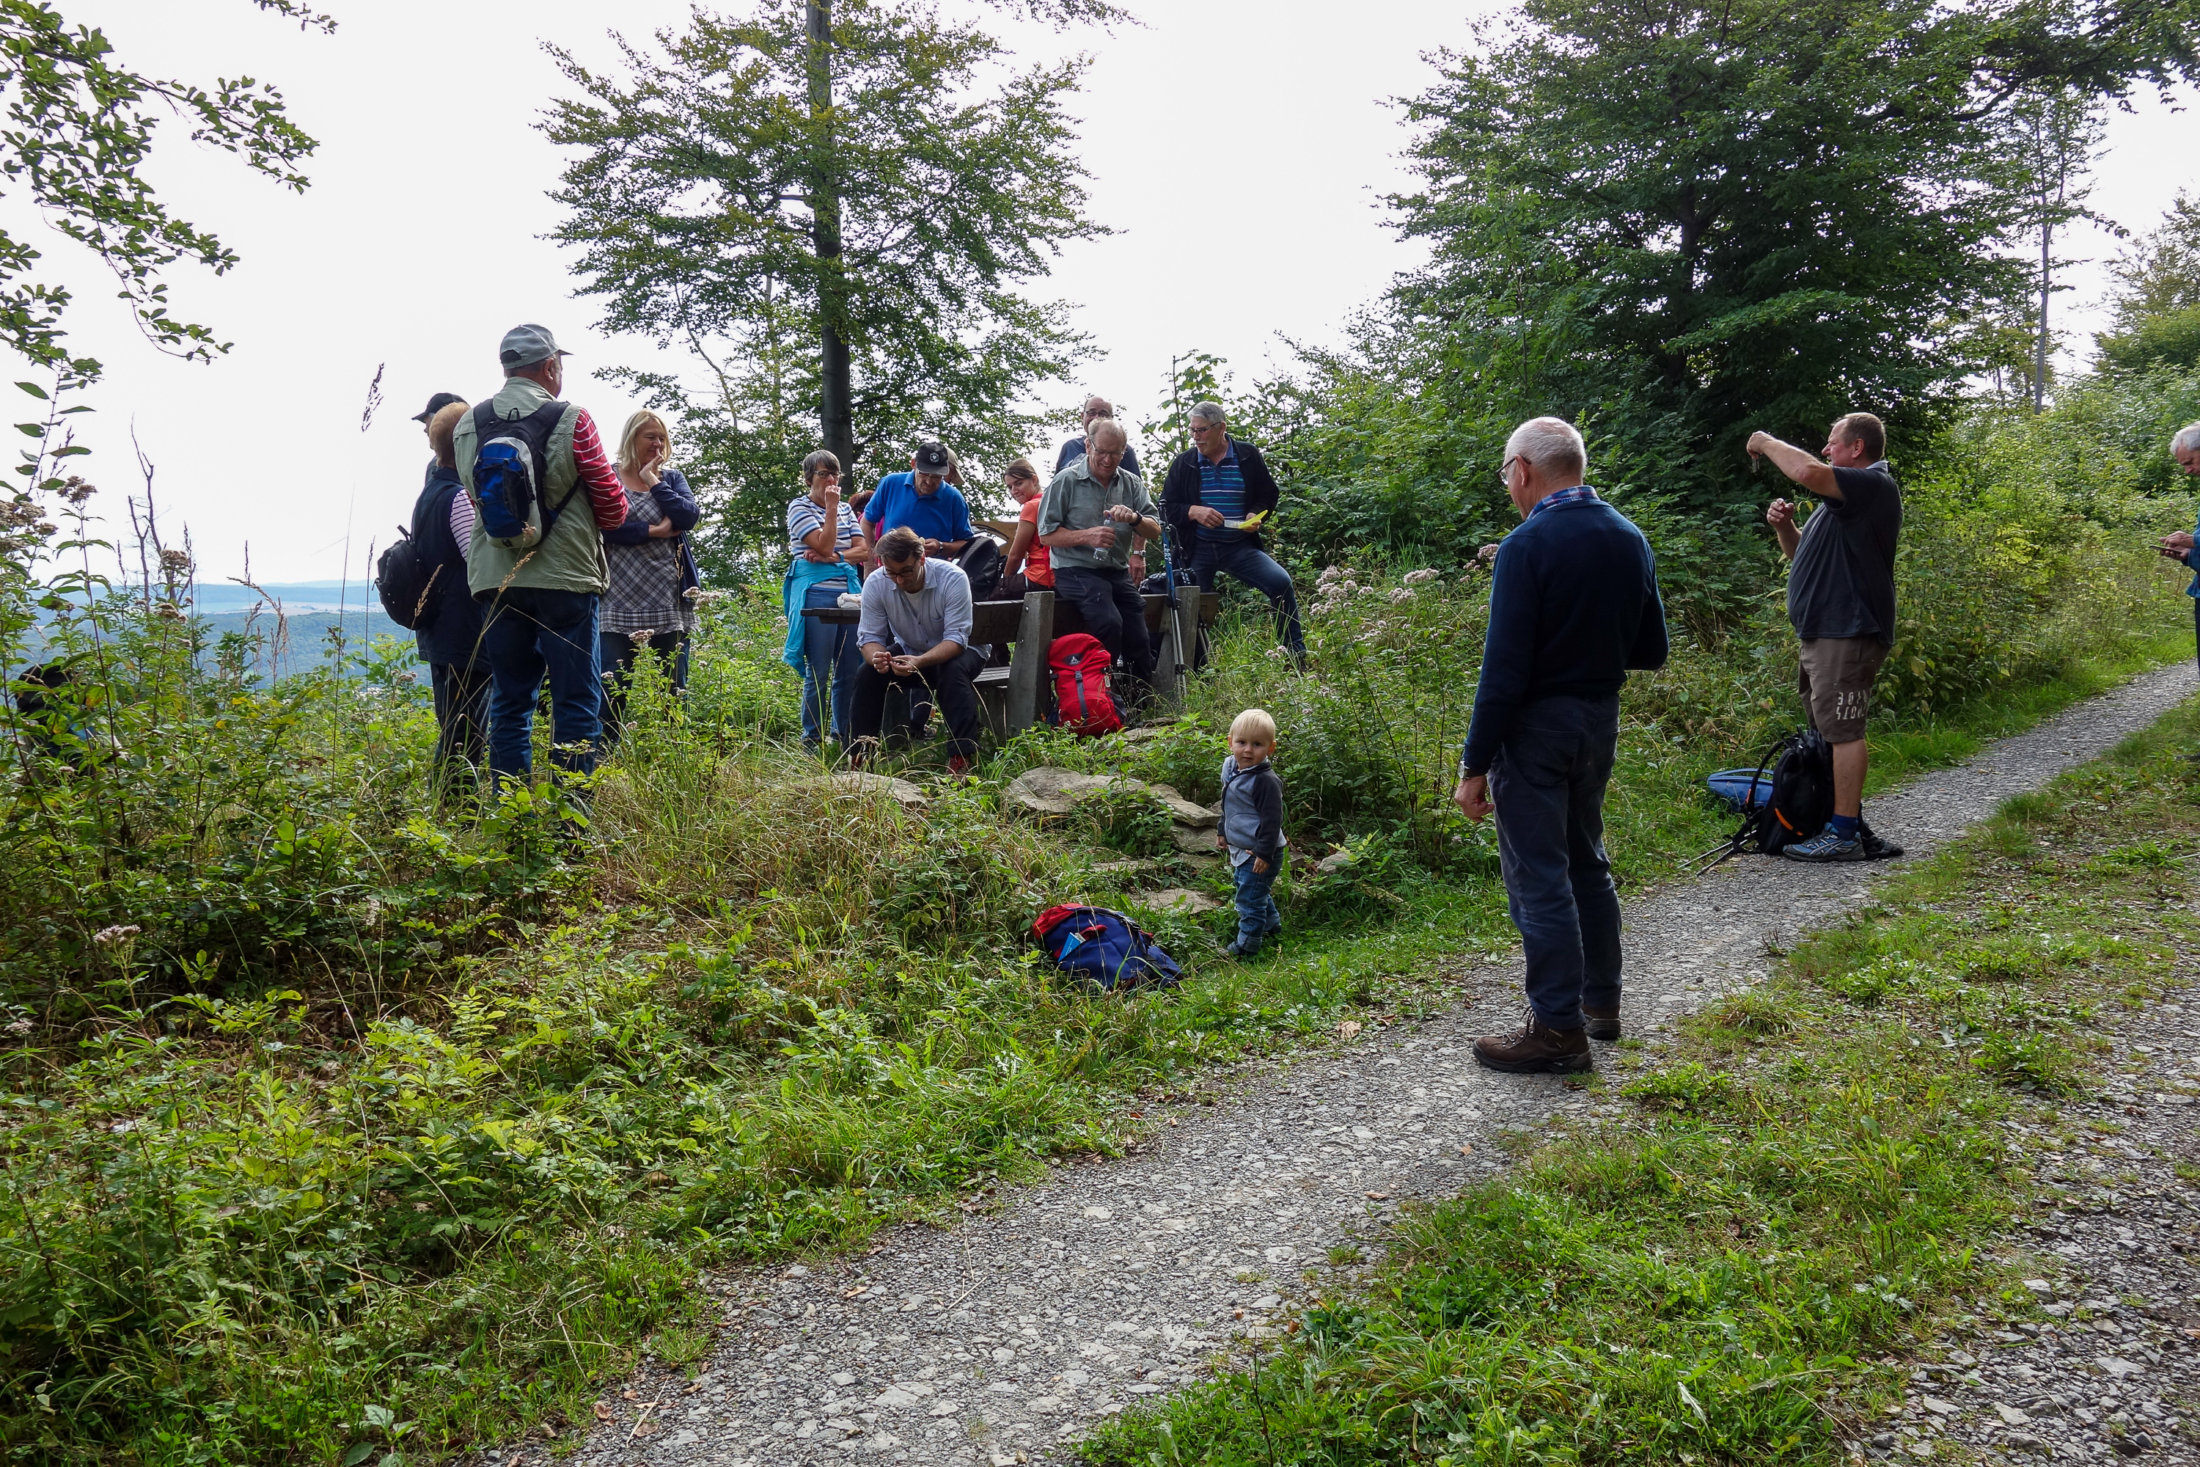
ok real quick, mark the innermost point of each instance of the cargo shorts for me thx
(1836, 683)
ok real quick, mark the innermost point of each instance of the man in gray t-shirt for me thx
(915, 635)
(1841, 600)
(1087, 519)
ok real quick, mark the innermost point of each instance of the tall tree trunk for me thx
(835, 406)
(2039, 354)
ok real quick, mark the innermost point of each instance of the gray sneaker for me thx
(1826, 846)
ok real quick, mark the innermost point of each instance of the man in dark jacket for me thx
(1073, 449)
(1573, 607)
(442, 525)
(1217, 496)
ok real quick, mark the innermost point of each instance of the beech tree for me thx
(832, 213)
(1695, 219)
(80, 127)
(2155, 308)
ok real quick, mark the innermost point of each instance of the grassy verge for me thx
(1724, 1265)
(390, 1133)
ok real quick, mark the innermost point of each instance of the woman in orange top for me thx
(1028, 567)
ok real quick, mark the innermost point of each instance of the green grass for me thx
(1902, 748)
(1798, 1191)
(388, 1122)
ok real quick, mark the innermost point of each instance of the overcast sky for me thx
(1239, 147)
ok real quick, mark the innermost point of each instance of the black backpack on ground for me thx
(1797, 805)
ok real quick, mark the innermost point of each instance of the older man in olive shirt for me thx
(1087, 520)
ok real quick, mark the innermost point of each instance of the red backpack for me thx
(1080, 666)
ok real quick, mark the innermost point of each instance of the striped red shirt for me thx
(606, 495)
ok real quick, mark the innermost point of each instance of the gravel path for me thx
(994, 1341)
(2112, 1367)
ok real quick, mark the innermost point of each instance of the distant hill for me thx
(306, 632)
(213, 597)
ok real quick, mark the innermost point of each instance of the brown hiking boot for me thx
(1602, 1024)
(1535, 1050)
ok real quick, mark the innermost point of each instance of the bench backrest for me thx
(996, 621)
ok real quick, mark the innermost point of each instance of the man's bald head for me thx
(1102, 431)
(1097, 407)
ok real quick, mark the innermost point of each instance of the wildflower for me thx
(109, 936)
(1400, 596)
(76, 490)
(175, 562)
(20, 1026)
(641, 638)
(1348, 587)
(1420, 577)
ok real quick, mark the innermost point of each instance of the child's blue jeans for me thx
(1256, 908)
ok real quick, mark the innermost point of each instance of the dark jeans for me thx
(830, 660)
(462, 724)
(1114, 612)
(1244, 559)
(949, 682)
(1548, 784)
(1256, 906)
(616, 657)
(531, 634)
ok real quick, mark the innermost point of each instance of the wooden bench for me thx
(1012, 695)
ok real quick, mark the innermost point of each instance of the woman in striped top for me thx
(829, 556)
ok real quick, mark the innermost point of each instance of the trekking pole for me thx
(1176, 616)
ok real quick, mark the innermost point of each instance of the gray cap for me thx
(524, 346)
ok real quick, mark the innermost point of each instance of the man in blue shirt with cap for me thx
(925, 502)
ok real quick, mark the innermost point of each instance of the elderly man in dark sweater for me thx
(1573, 607)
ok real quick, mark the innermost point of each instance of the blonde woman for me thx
(645, 603)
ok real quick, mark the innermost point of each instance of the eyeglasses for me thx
(1505, 469)
(1199, 428)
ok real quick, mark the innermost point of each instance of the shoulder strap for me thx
(546, 418)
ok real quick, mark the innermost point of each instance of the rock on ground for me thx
(1179, 899)
(1110, 1283)
(858, 782)
(2114, 1371)
(1051, 791)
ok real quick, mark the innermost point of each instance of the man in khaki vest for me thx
(539, 600)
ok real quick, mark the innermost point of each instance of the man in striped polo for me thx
(1216, 500)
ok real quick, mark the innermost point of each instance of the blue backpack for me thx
(1103, 948)
(511, 463)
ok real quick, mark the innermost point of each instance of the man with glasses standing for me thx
(1217, 497)
(1573, 608)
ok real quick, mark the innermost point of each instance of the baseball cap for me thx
(524, 346)
(932, 459)
(436, 404)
